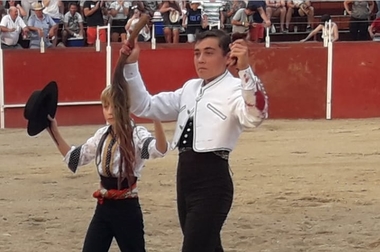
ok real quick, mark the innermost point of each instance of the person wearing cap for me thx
(11, 26)
(192, 20)
(42, 26)
(171, 13)
(211, 112)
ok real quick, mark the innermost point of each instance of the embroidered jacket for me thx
(145, 147)
(221, 109)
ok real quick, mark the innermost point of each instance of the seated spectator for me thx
(17, 4)
(41, 26)
(93, 11)
(232, 6)
(11, 26)
(144, 34)
(119, 13)
(171, 13)
(213, 13)
(243, 20)
(54, 9)
(192, 20)
(276, 8)
(300, 8)
(72, 24)
(374, 30)
(321, 27)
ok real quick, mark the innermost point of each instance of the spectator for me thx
(93, 11)
(119, 13)
(151, 7)
(17, 4)
(232, 6)
(171, 13)
(374, 30)
(276, 8)
(54, 8)
(144, 34)
(72, 24)
(27, 5)
(213, 13)
(300, 8)
(192, 20)
(42, 27)
(243, 20)
(360, 12)
(260, 20)
(334, 29)
(11, 26)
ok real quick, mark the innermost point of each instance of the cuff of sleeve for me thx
(167, 149)
(66, 159)
(247, 78)
(131, 70)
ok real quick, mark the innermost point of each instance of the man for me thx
(211, 113)
(42, 26)
(93, 11)
(72, 23)
(242, 20)
(11, 26)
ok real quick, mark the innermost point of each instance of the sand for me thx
(299, 186)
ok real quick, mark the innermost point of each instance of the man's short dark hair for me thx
(222, 36)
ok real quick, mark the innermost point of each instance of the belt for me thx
(114, 194)
(222, 153)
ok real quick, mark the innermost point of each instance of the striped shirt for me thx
(212, 10)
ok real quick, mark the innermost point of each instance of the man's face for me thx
(209, 60)
(13, 13)
(73, 9)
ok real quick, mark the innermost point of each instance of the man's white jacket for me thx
(221, 109)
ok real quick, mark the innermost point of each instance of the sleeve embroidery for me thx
(74, 159)
(145, 148)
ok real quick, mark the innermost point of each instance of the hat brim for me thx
(39, 106)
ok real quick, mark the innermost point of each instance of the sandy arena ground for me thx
(299, 186)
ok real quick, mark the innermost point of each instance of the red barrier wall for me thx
(356, 80)
(294, 76)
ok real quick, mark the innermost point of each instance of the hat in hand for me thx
(39, 105)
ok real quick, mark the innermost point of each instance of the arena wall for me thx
(294, 75)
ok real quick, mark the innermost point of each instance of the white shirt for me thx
(11, 38)
(85, 153)
(120, 14)
(52, 9)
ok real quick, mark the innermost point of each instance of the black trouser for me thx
(121, 219)
(359, 29)
(204, 198)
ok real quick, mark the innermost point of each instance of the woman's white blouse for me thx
(145, 147)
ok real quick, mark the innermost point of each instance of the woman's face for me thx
(136, 13)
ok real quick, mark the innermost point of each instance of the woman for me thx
(144, 33)
(360, 12)
(119, 162)
(171, 26)
(17, 4)
(333, 31)
(119, 13)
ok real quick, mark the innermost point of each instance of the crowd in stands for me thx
(58, 22)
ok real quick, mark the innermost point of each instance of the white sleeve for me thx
(21, 22)
(66, 18)
(80, 19)
(85, 153)
(146, 143)
(4, 21)
(163, 106)
(252, 105)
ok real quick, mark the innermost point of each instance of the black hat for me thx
(41, 104)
